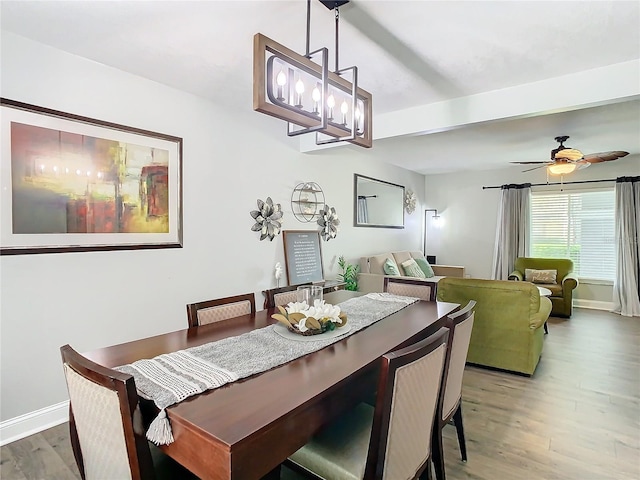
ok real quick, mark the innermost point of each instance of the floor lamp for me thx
(430, 258)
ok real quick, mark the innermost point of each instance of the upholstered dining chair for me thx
(411, 288)
(281, 295)
(210, 311)
(105, 424)
(393, 439)
(460, 324)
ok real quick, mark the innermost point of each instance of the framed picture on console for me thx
(302, 256)
(70, 183)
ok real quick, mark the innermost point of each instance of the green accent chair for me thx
(561, 291)
(508, 328)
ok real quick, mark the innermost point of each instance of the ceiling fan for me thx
(566, 160)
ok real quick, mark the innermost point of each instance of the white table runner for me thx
(170, 378)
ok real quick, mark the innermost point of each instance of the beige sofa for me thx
(371, 276)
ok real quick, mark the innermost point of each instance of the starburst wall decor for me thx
(328, 222)
(268, 219)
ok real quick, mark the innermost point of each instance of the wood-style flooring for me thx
(576, 418)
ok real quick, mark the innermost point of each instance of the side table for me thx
(544, 292)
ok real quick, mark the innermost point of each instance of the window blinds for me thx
(578, 225)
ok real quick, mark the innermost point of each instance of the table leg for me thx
(273, 474)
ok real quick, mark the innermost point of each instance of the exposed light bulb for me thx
(331, 102)
(344, 108)
(315, 95)
(281, 80)
(300, 91)
(357, 114)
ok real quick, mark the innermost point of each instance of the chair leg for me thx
(426, 474)
(437, 451)
(457, 420)
(273, 474)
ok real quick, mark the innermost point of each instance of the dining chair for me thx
(105, 425)
(281, 295)
(460, 324)
(393, 439)
(409, 287)
(210, 311)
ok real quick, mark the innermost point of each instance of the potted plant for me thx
(349, 274)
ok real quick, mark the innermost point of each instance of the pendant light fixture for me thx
(309, 97)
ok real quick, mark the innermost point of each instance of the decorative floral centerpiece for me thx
(303, 319)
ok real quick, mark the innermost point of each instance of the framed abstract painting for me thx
(70, 184)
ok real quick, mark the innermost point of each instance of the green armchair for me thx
(509, 318)
(561, 290)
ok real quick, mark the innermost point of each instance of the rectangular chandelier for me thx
(308, 96)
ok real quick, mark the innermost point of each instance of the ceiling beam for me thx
(600, 86)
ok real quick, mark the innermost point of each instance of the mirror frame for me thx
(356, 176)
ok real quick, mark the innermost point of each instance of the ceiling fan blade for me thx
(605, 156)
(532, 163)
(535, 168)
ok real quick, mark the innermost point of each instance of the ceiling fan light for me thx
(561, 168)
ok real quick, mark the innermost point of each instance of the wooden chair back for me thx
(409, 287)
(105, 423)
(210, 311)
(281, 295)
(408, 391)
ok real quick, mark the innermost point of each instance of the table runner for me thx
(170, 378)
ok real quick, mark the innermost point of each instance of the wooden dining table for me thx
(246, 429)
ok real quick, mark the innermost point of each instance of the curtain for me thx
(512, 231)
(363, 215)
(626, 287)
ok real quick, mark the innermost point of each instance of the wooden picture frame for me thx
(70, 183)
(302, 256)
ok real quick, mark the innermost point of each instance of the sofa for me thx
(372, 274)
(561, 289)
(509, 318)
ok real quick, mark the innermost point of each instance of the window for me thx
(578, 225)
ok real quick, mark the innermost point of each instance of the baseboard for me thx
(592, 304)
(33, 422)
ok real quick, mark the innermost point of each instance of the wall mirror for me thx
(377, 203)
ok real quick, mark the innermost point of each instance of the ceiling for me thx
(409, 54)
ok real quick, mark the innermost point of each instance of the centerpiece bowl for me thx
(302, 319)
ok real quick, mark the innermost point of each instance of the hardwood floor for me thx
(576, 418)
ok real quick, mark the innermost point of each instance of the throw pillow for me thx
(391, 268)
(425, 267)
(540, 276)
(411, 269)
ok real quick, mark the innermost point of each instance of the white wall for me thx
(230, 159)
(470, 213)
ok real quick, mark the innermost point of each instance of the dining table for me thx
(246, 429)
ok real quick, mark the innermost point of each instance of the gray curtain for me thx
(512, 231)
(363, 214)
(626, 288)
